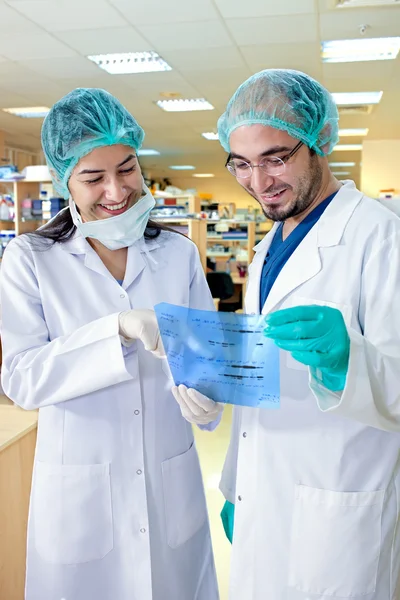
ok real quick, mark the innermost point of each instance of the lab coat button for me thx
(143, 530)
(137, 412)
(240, 498)
(139, 472)
(122, 296)
(244, 434)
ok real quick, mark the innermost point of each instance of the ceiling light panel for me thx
(357, 98)
(347, 147)
(185, 105)
(357, 50)
(210, 135)
(130, 62)
(182, 167)
(28, 112)
(361, 132)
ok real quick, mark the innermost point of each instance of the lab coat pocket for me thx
(184, 500)
(336, 540)
(72, 512)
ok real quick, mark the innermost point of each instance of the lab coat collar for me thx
(305, 262)
(139, 257)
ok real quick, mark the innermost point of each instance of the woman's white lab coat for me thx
(117, 508)
(316, 483)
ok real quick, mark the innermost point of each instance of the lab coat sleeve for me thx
(372, 392)
(229, 472)
(37, 371)
(200, 298)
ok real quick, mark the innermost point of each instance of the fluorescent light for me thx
(365, 49)
(347, 147)
(342, 164)
(353, 132)
(130, 62)
(356, 98)
(210, 135)
(203, 175)
(341, 173)
(358, 3)
(182, 167)
(28, 112)
(148, 152)
(185, 105)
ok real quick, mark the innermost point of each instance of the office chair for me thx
(222, 287)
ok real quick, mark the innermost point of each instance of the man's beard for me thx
(307, 189)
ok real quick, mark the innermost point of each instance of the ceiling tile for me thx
(32, 46)
(155, 83)
(220, 84)
(64, 68)
(325, 6)
(204, 58)
(41, 91)
(180, 36)
(9, 99)
(342, 24)
(394, 82)
(377, 70)
(365, 84)
(274, 30)
(104, 41)
(261, 8)
(302, 57)
(17, 140)
(11, 72)
(66, 15)
(11, 20)
(153, 12)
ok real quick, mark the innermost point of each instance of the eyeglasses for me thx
(271, 166)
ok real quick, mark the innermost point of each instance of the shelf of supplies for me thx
(225, 240)
(173, 219)
(32, 181)
(231, 221)
(219, 254)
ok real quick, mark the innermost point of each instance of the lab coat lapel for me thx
(255, 269)
(141, 256)
(138, 257)
(80, 246)
(306, 262)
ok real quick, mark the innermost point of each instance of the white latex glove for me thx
(195, 407)
(142, 325)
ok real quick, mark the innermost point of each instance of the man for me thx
(316, 484)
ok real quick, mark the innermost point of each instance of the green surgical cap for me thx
(287, 100)
(85, 119)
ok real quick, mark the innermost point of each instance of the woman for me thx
(117, 507)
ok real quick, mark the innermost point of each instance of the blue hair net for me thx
(287, 100)
(84, 119)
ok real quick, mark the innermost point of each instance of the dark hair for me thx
(62, 228)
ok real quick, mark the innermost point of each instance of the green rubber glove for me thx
(228, 517)
(315, 336)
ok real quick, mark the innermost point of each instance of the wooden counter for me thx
(17, 447)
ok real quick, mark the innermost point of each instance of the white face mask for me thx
(120, 231)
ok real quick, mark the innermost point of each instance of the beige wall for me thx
(2, 149)
(380, 166)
